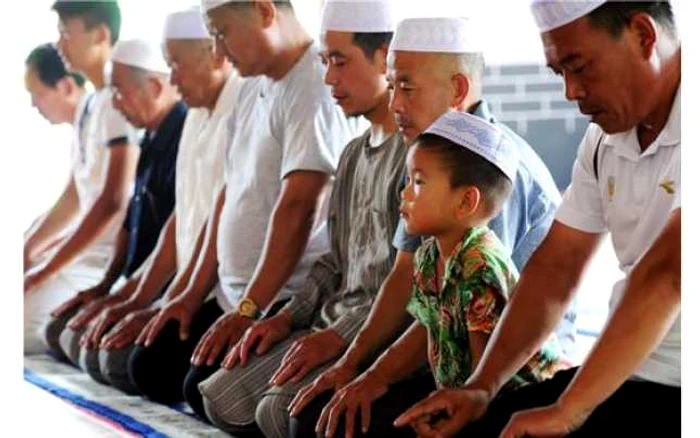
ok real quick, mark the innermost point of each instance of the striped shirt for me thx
(364, 211)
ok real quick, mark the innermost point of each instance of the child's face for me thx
(429, 205)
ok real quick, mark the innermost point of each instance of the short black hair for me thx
(467, 168)
(613, 16)
(49, 67)
(94, 13)
(370, 42)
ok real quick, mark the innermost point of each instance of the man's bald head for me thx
(426, 84)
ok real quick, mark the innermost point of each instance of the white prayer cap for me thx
(139, 53)
(187, 24)
(479, 136)
(436, 35)
(359, 16)
(208, 5)
(550, 14)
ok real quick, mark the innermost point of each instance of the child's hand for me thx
(456, 407)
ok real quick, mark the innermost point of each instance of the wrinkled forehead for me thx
(403, 65)
(186, 48)
(567, 43)
(121, 75)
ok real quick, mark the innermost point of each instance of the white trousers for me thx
(81, 274)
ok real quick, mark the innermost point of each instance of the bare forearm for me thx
(387, 317)
(287, 237)
(100, 217)
(650, 305)
(407, 355)
(640, 323)
(53, 223)
(117, 261)
(526, 322)
(161, 268)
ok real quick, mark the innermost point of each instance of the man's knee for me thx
(272, 415)
(69, 341)
(89, 362)
(113, 367)
(304, 424)
(51, 333)
(227, 402)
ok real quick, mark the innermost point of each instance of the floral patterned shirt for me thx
(479, 276)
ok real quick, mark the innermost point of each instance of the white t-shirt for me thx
(200, 166)
(632, 198)
(102, 127)
(278, 127)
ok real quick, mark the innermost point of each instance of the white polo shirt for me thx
(200, 166)
(632, 198)
(278, 127)
(99, 126)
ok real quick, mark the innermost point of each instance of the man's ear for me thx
(218, 56)
(267, 12)
(380, 57)
(66, 86)
(102, 34)
(154, 86)
(645, 31)
(460, 89)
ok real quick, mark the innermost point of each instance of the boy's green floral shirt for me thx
(479, 276)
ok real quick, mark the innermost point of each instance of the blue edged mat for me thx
(128, 423)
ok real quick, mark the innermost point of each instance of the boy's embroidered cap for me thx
(480, 137)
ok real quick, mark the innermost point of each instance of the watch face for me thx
(247, 308)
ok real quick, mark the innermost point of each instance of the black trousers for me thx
(385, 410)
(636, 409)
(159, 371)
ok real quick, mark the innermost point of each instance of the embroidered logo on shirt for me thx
(611, 187)
(669, 186)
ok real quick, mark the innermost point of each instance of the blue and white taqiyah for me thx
(480, 137)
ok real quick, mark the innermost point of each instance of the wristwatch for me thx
(248, 308)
